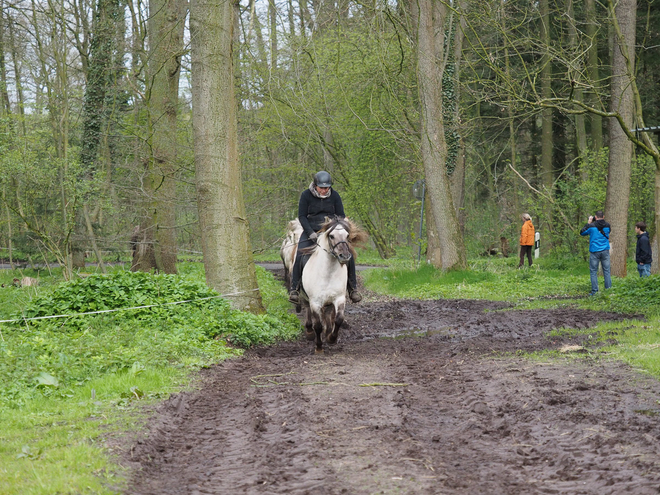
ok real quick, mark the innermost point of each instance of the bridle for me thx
(333, 246)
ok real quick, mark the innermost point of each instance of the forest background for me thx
(501, 107)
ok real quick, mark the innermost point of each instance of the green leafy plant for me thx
(156, 321)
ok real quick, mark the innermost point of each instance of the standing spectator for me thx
(526, 239)
(598, 231)
(643, 254)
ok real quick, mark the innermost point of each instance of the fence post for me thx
(537, 244)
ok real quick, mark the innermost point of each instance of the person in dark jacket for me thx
(317, 202)
(643, 254)
(598, 231)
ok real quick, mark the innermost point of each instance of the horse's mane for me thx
(356, 236)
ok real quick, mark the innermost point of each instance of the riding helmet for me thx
(322, 179)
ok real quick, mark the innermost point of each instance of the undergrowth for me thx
(61, 379)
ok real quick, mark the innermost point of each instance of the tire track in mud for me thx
(445, 409)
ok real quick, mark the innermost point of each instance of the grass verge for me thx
(67, 385)
(549, 283)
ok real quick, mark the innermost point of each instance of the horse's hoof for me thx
(318, 351)
(332, 339)
(310, 335)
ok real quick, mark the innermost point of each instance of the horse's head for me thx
(336, 234)
(337, 238)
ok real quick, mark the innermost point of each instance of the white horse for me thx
(290, 247)
(324, 279)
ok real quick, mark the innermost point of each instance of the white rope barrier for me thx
(127, 309)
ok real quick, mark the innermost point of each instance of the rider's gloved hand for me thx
(313, 236)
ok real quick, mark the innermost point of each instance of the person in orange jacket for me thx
(526, 239)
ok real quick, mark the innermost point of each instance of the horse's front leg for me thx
(309, 328)
(339, 319)
(317, 325)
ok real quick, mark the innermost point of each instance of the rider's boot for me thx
(354, 295)
(296, 274)
(294, 296)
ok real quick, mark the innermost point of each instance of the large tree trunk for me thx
(100, 80)
(547, 175)
(621, 150)
(429, 15)
(511, 115)
(223, 222)
(433, 251)
(4, 93)
(166, 24)
(457, 178)
(18, 83)
(580, 129)
(592, 61)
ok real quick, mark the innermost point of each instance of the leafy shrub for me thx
(124, 289)
(80, 348)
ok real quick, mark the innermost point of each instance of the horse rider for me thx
(317, 202)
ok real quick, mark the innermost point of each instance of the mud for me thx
(428, 397)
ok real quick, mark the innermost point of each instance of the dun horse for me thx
(324, 279)
(289, 248)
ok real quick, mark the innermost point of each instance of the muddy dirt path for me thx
(417, 397)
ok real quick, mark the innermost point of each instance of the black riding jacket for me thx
(312, 210)
(643, 253)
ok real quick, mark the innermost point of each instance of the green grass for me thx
(67, 385)
(66, 388)
(634, 341)
(495, 279)
(549, 283)
(499, 279)
(51, 446)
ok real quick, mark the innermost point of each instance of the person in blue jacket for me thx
(643, 253)
(318, 201)
(598, 231)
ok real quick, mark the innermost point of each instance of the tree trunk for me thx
(433, 251)
(427, 16)
(92, 237)
(593, 64)
(621, 150)
(547, 175)
(579, 123)
(100, 79)
(292, 19)
(457, 178)
(224, 227)
(272, 17)
(4, 93)
(513, 151)
(166, 24)
(17, 76)
(142, 249)
(10, 244)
